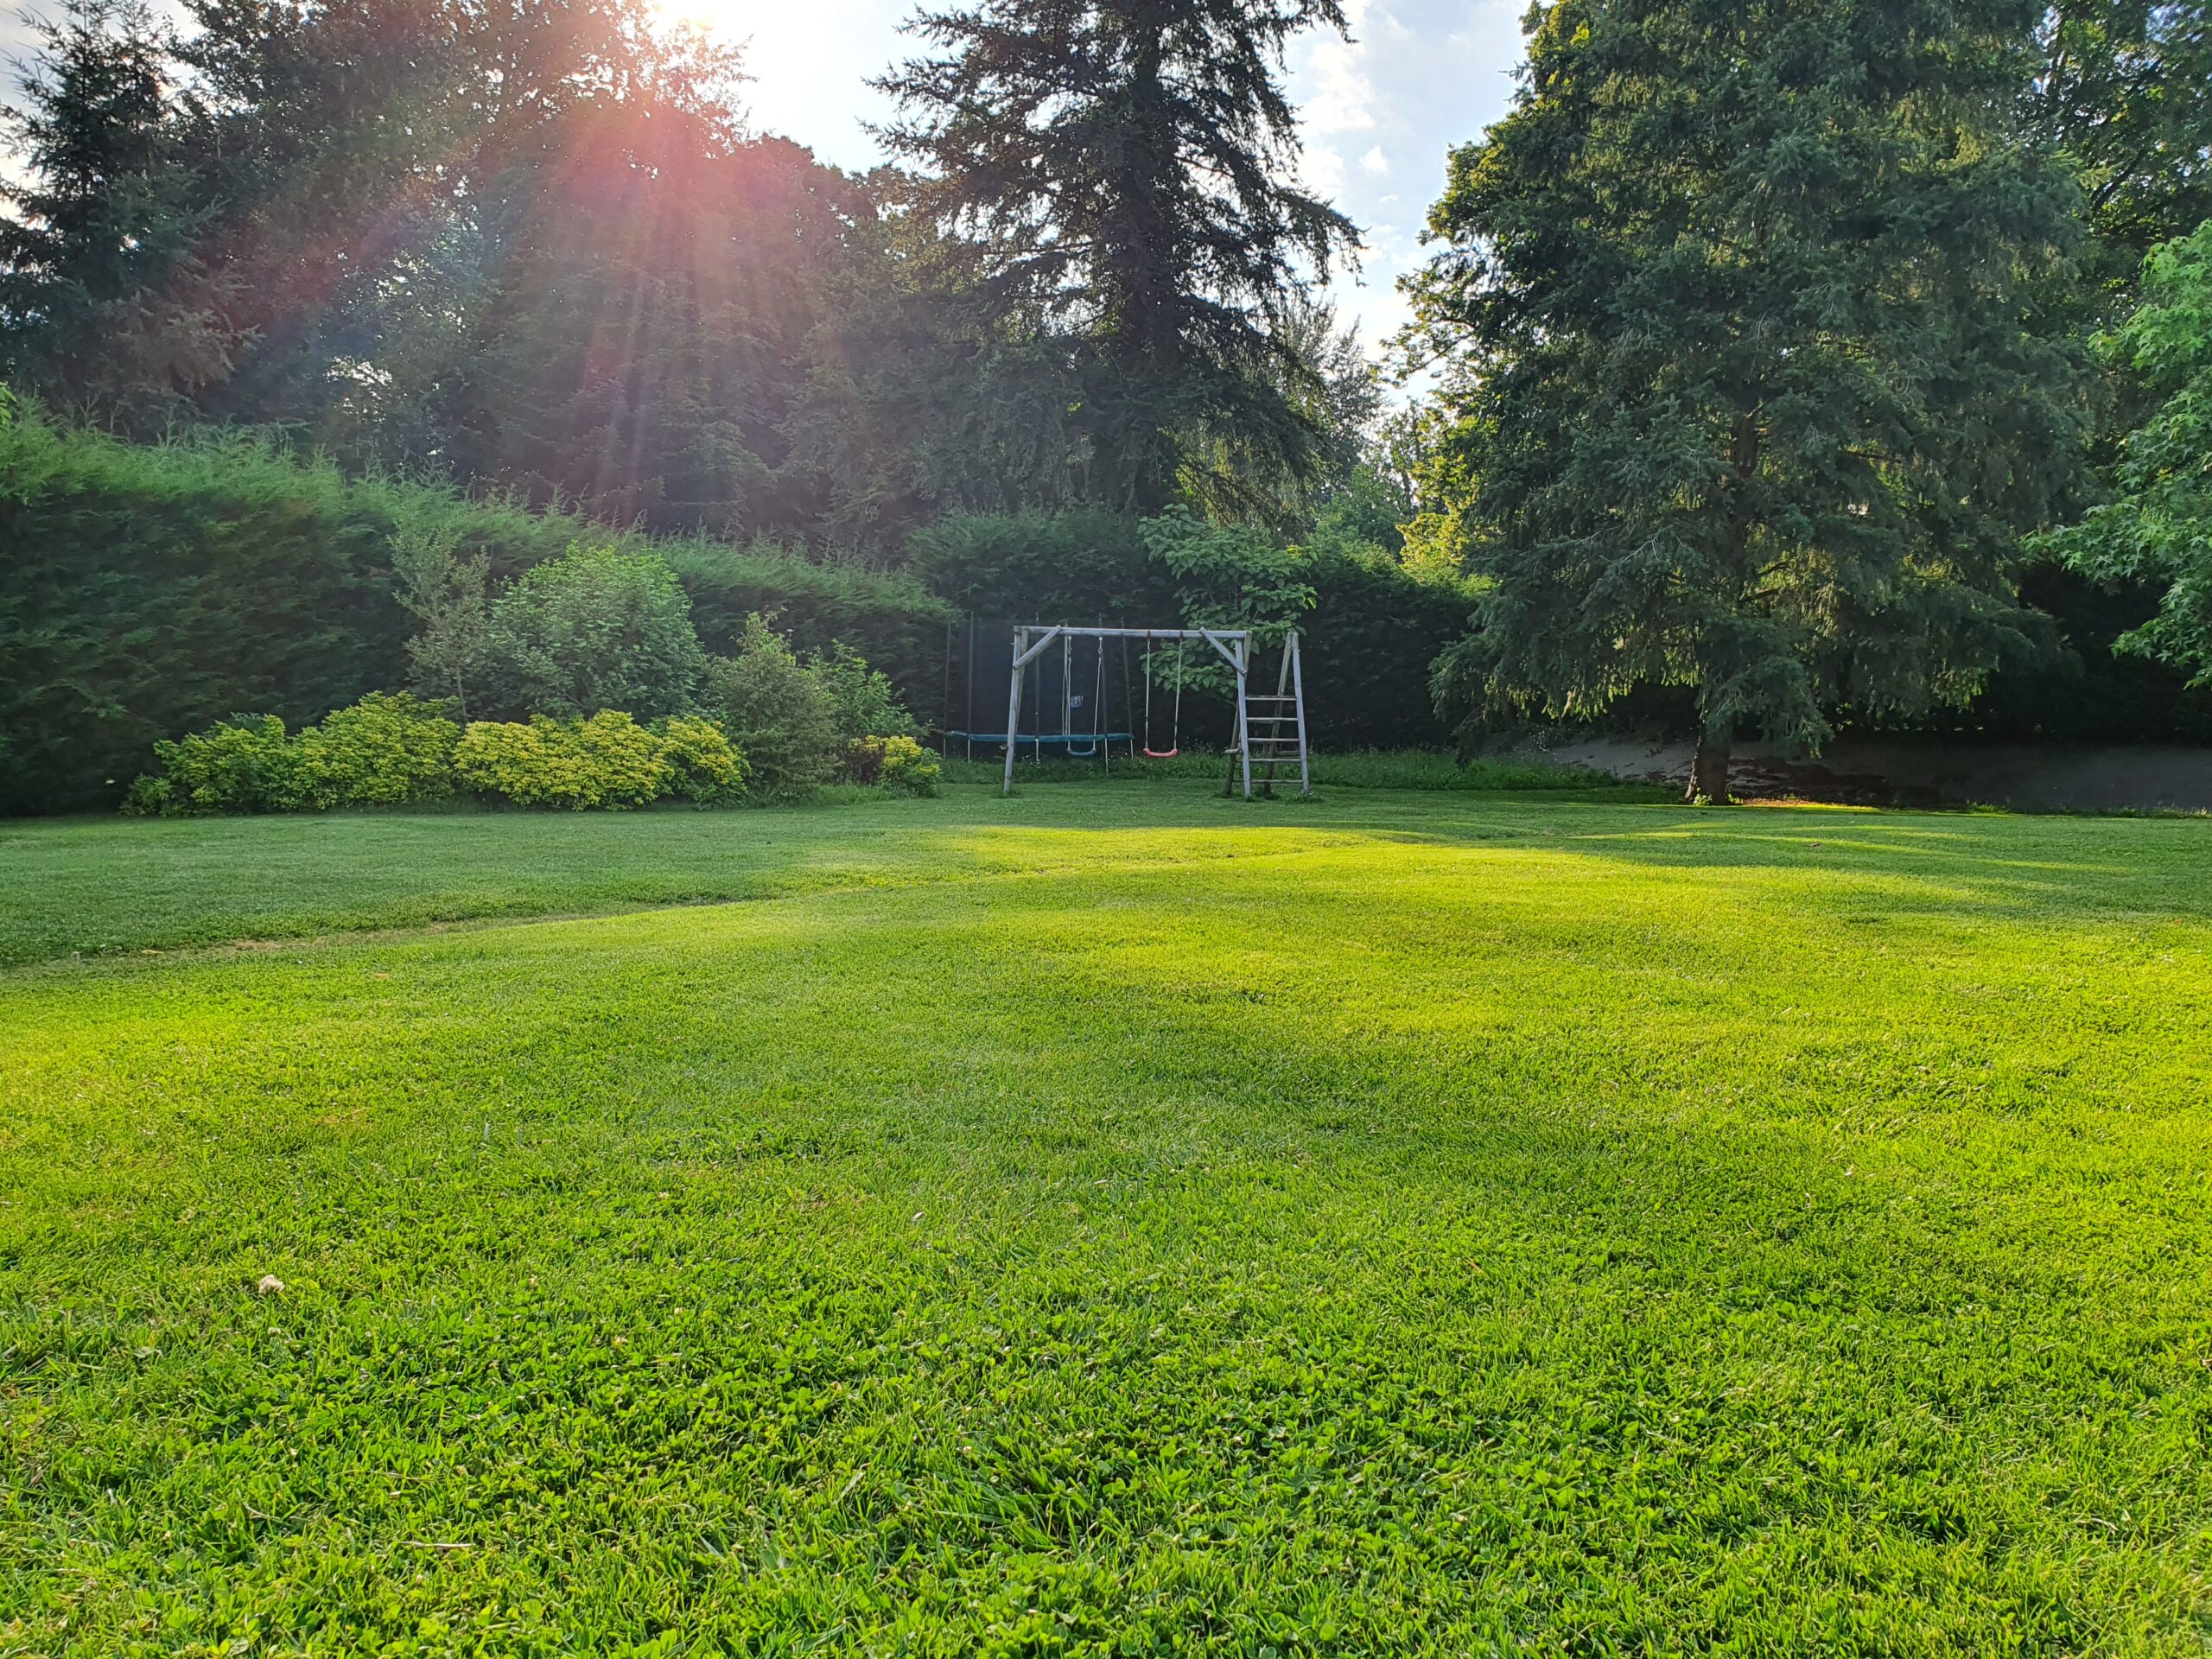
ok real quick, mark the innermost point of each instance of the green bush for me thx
(597, 628)
(866, 712)
(775, 711)
(607, 761)
(244, 764)
(863, 703)
(385, 750)
(905, 767)
(702, 764)
(390, 750)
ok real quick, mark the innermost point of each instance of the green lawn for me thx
(1116, 1220)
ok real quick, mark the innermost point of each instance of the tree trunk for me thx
(1709, 768)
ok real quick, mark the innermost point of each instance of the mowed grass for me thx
(1113, 1221)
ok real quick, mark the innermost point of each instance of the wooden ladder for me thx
(1272, 726)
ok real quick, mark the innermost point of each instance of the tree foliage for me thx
(2124, 93)
(100, 220)
(2159, 529)
(1122, 170)
(776, 712)
(599, 628)
(528, 244)
(863, 703)
(448, 595)
(1748, 396)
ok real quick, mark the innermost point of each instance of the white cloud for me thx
(1342, 99)
(1375, 163)
(1322, 170)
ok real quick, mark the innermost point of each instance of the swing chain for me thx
(1175, 737)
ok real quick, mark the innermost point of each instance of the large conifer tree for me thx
(98, 211)
(1125, 169)
(1745, 393)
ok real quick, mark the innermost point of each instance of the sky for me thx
(1378, 113)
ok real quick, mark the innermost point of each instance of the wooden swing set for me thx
(1271, 736)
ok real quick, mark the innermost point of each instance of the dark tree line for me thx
(525, 243)
(533, 244)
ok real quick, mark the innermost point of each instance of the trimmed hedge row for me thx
(148, 590)
(155, 589)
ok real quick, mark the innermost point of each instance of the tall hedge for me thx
(889, 617)
(1374, 628)
(149, 590)
(1088, 567)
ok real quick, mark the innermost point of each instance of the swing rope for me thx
(1129, 697)
(1038, 750)
(1175, 734)
(1098, 702)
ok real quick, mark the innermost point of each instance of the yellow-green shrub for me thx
(607, 761)
(898, 763)
(703, 765)
(383, 751)
(244, 765)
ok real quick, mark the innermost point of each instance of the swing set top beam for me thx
(1232, 642)
(1135, 633)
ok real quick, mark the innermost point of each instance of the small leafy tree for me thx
(862, 700)
(2160, 529)
(775, 711)
(1225, 577)
(599, 628)
(449, 594)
